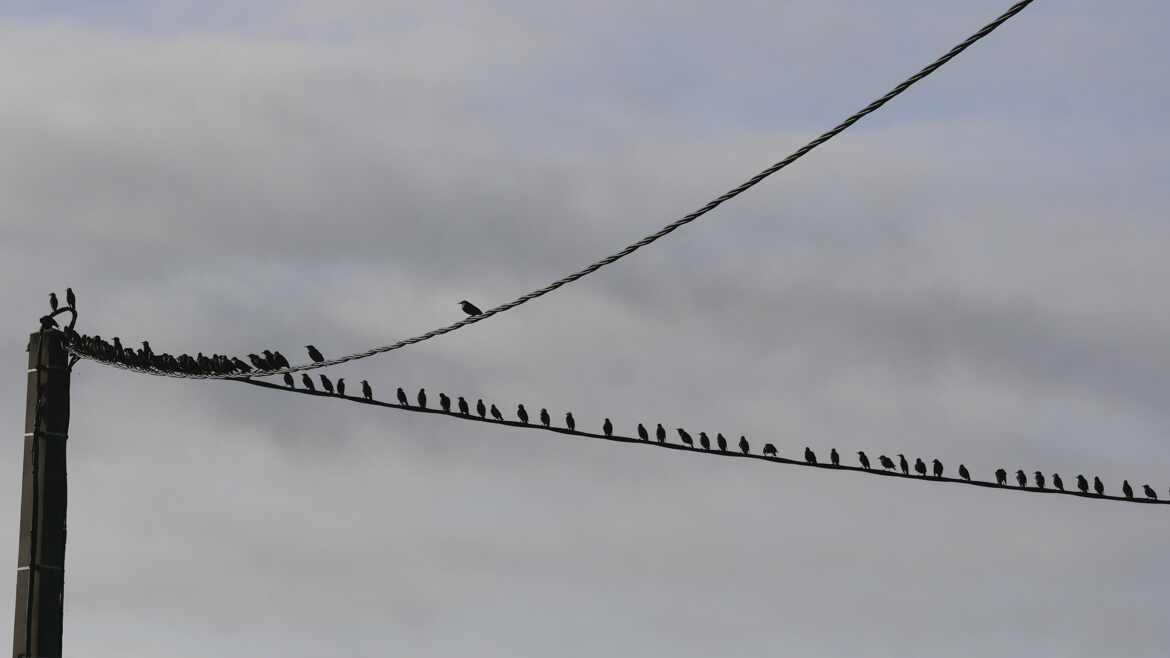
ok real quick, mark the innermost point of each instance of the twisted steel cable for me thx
(666, 230)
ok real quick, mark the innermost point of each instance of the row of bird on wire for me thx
(145, 357)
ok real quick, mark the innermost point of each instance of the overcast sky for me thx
(976, 273)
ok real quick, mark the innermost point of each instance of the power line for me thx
(666, 230)
(722, 453)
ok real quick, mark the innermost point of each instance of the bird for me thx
(964, 473)
(1000, 477)
(288, 380)
(903, 464)
(326, 384)
(722, 442)
(769, 450)
(1021, 478)
(522, 414)
(570, 422)
(660, 433)
(920, 467)
(70, 299)
(704, 441)
(1126, 489)
(886, 462)
(1082, 484)
(314, 354)
(1057, 482)
(257, 362)
(496, 413)
(1039, 479)
(341, 387)
(53, 301)
(607, 427)
(279, 360)
(1097, 486)
(686, 438)
(422, 398)
(743, 445)
(863, 460)
(308, 382)
(480, 408)
(469, 308)
(642, 433)
(463, 408)
(445, 402)
(544, 417)
(367, 392)
(1150, 493)
(809, 455)
(937, 468)
(401, 394)
(834, 457)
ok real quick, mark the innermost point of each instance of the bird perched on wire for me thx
(863, 460)
(258, 362)
(367, 392)
(401, 394)
(1021, 479)
(964, 473)
(809, 455)
(308, 382)
(886, 462)
(660, 433)
(920, 467)
(469, 308)
(70, 298)
(642, 433)
(770, 450)
(937, 468)
(53, 301)
(607, 427)
(1097, 486)
(1039, 477)
(1057, 482)
(422, 398)
(721, 442)
(570, 422)
(463, 408)
(288, 380)
(279, 361)
(1149, 491)
(704, 441)
(743, 445)
(1126, 489)
(444, 402)
(834, 457)
(341, 387)
(496, 413)
(480, 408)
(544, 417)
(522, 414)
(685, 437)
(903, 464)
(1000, 477)
(1082, 484)
(326, 384)
(314, 354)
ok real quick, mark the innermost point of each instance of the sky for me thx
(974, 273)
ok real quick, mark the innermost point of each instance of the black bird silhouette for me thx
(422, 398)
(70, 299)
(1039, 479)
(401, 394)
(367, 392)
(863, 460)
(1021, 478)
(444, 402)
(937, 467)
(314, 354)
(288, 380)
(522, 414)
(704, 441)
(469, 308)
(1097, 486)
(570, 422)
(257, 362)
(326, 384)
(279, 361)
(53, 301)
(743, 445)
(660, 433)
(544, 417)
(1150, 493)
(686, 438)
(886, 462)
(607, 427)
(834, 457)
(308, 382)
(480, 408)
(642, 433)
(769, 450)
(809, 456)
(721, 442)
(920, 467)
(341, 387)
(1057, 482)
(1082, 484)
(964, 473)
(1000, 477)
(496, 413)
(903, 464)
(463, 408)
(1126, 489)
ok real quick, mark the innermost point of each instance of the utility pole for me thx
(40, 570)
